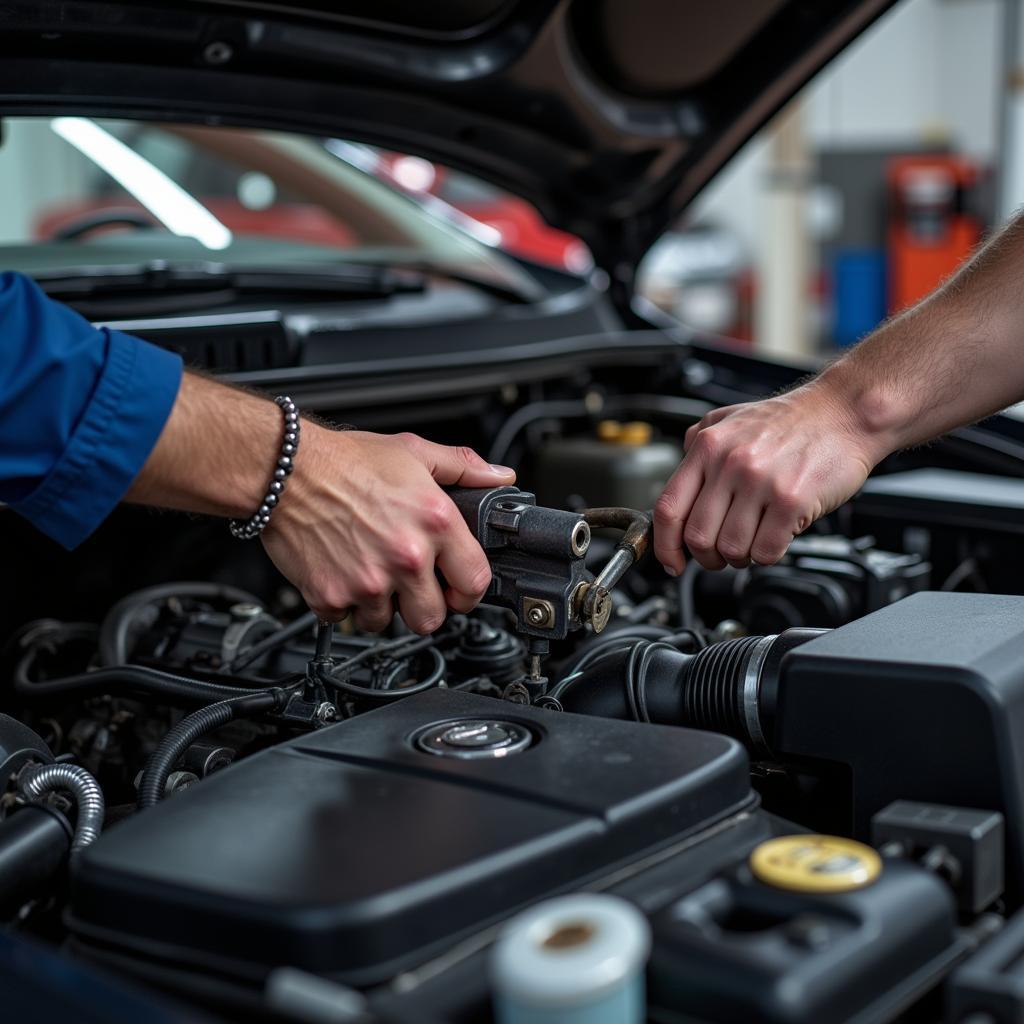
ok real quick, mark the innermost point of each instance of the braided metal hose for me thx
(37, 781)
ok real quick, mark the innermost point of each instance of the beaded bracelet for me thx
(247, 529)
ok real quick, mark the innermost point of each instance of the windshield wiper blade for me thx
(522, 289)
(160, 277)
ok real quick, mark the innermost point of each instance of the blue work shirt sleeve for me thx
(80, 410)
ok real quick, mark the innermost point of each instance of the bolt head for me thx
(516, 693)
(218, 52)
(602, 612)
(326, 712)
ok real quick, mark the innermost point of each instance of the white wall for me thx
(1012, 193)
(885, 88)
(928, 70)
(970, 78)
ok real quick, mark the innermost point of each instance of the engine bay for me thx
(211, 795)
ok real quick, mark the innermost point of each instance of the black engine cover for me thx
(351, 852)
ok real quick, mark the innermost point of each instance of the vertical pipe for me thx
(782, 308)
(1011, 161)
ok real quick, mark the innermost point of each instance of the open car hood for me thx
(608, 115)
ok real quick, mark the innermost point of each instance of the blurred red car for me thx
(276, 203)
(520, 230)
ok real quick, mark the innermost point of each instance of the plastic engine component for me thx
(738, 950)
(922, 701)
(352, 852)
(969, 846)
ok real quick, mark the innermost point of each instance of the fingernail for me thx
(670, 570)
(503, 470)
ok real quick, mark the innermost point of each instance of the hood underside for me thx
(608, 115)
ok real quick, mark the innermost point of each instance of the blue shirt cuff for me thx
(110, 444)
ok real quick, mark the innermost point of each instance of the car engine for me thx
(802, 779)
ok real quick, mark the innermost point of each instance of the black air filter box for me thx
(352, 852)
(922, 700)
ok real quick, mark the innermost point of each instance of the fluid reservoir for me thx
(575, 959)
(619, 464)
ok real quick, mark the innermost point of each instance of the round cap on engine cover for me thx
(815, 863)
(475, 738)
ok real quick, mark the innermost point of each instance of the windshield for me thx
(91, 192)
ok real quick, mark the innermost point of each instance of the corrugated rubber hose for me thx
(190, 728)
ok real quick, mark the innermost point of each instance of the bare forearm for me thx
(215, 454)
(756, 475)
(363, 523)
(953, 358)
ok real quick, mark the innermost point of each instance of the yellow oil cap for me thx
(634, 433)
(813, 863)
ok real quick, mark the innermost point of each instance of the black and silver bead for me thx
(247, 529)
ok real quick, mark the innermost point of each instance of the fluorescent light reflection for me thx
(169, 203)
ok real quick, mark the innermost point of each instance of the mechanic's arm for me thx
(88, 416)
(362, 519)
(756, 475)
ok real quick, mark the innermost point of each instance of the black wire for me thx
(137, 677)
(626, 643)
(966, 570)
(622, 640)
(391, 650)
(436, 675)
(646, 609)
(687, 608)
(114, 632)
(629, 678)
(699, 639)
(400, 647)
(268, 643)
(617, 641)
(380, 696)
(49, 632)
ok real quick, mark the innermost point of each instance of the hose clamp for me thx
(752, 693)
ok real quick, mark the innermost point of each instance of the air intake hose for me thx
(729, 687)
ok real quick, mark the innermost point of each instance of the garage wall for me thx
(924, 73)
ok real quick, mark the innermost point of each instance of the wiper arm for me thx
(523, 289)
(158, 277)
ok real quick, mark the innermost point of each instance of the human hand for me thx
(364, 522)
(756, 475)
